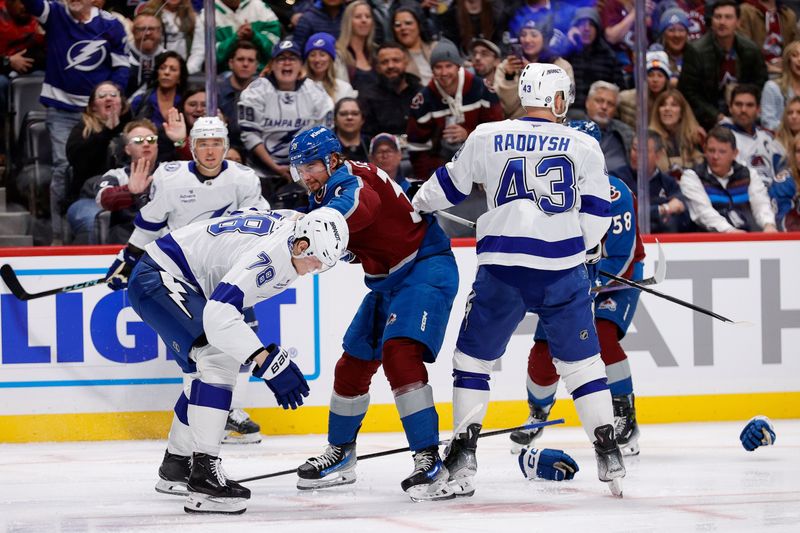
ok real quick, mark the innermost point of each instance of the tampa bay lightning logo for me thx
(86, 55)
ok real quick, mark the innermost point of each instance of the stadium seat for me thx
(24, 102)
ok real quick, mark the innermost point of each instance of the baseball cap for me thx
(382, 138)
(287, 46)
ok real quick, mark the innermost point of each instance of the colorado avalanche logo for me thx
(86, 55)
(608, 304)
(615, 194)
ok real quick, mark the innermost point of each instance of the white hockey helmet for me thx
(209, 128)
(327, 234)
(539, 84)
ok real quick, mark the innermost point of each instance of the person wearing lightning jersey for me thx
(411, 273)
(547, 193)
(623, 255)
(193, 286)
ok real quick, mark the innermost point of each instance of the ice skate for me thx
(210, 491)
(174, 474)
(525, 437)
(428, 481)
(240, 429)
(626, 430)
(461, 461)
(610, 468)
(337, 466)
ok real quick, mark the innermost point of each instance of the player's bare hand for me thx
(19, 63)
(140, 177)
(175, 126)
(455, 133)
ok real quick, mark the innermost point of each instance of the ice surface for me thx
(689, 477)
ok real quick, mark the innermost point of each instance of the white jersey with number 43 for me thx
(546, 188)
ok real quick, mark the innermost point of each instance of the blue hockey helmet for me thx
(588, 127)
(316, 143)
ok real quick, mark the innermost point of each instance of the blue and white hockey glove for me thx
(547, 463)
(120, 270)
(592, 262)
(757, 432)
(282, 377)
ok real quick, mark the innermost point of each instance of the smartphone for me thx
(516, 50)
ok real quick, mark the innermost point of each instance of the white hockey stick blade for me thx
(661, 267)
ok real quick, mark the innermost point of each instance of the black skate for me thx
(524, 437)
(240, 429)
(610, 468)
(461, 462)
(428, 481)
(210, 491)
(174, 474)
(626, 430)
(337, 466)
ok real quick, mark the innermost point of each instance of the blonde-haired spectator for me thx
(789, 126)
(672, 117)
(355, 47)
(777, 92)
(320, 55)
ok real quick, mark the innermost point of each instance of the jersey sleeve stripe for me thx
(229, 294)
(531, 246)
(453, 195)
(592, 205)
(173, 250)
(140, 222)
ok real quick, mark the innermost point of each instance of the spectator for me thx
(164, 90)
(268, 125)
(22, 46)
(447, 110)
(756, 148)
(355, 46)
(325, 16)
(667, 208)
(673, 119)
(786, 186)
(178, 20)
(385, 153)
(771, 26)
(789, 125)
(142, 51)
(88, 153)
(242, 71)
(674, 29)
(114, 10)
(617, 18)
(694, 10)
(532, 47)
(173, 138)
(616, 136)
(485, 56)
(347, 123)
(466, 20)
(593, 59)
(382, 13)
(236, 20)
(658, 76)
(724, 196)
(777, 92)
(320, 54)
(76, 62)
(716, 61)
(386, 104)
(409, 32)
(234, 155)
(123, 191)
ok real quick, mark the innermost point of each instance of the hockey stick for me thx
(401, 450)
(12, 282)
(671, 299)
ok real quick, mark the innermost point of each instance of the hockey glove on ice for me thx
(757, 432)
(282, 377)
(546, 463)
(120, 270)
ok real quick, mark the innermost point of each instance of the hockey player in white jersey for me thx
(548, 201)
(193, 286)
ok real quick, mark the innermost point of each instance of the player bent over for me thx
(192, 286)
(548, 197)
(623, 254)
(187, 191)
(412, 276)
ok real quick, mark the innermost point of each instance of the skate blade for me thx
(234, 437)
(615, 486)
(203, 503)
(174, 488)
(430, 493)
(344, 478)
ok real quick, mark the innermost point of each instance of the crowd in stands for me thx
(403, 83)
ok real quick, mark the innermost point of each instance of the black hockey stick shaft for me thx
(12, 282)
(667, 297)
(406, 449)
